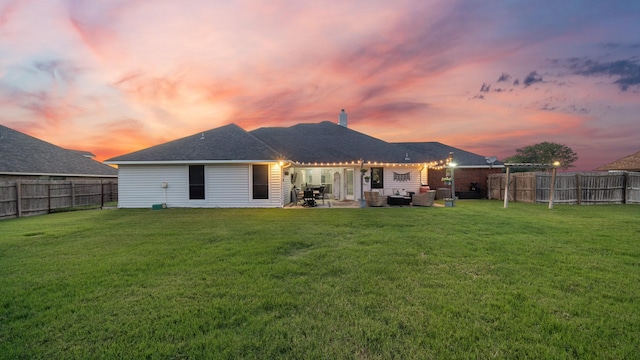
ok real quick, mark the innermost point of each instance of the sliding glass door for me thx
(348, 183)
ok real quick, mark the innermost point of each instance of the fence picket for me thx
(585, 188)
(24, 198)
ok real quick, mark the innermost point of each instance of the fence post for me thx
(73, 193)
(625, 190)
(506, 190)
(49, 197)
(101, 194)
(553, 187)
(579, 188)
(18, 198)
(533, 179)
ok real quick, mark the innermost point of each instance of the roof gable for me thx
(24, 154)
(329, 142)
(324, 142)
(229, 142)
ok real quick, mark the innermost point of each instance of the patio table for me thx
(398, 200)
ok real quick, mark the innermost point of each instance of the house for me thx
(230, 167)
(27, 158)
(627, 163)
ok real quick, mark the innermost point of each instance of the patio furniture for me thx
(425, 199)
(399, 200)
(373, 198)
(320, 194)
(442, 193)
(309, 198)
(473, 193)
(295, 196)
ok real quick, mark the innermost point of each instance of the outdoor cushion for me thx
(373, 198)
(425, 199)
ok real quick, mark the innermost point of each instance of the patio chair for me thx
(309, 198)
(373, 198)
(295, 196)
(425, 199)
(320, 194)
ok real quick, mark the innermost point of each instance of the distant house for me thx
(230, 167)
(23, 157)
(627, 163)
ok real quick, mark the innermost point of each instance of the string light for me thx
(434, 165)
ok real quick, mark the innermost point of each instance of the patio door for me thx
(348, 184)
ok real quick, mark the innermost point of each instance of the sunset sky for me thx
(115, 76)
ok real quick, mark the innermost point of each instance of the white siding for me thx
(410, 185)
(389, 184)
(226, 185)
(286, 187)
(275, 186)
(230, 186)
(141, 186)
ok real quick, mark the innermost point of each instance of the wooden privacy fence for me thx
(585, 188)
(25, 198)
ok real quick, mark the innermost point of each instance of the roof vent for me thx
(343, 118)
(202, 136)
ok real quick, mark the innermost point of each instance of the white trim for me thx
(293, 163)
(479, 166)
(185, 162)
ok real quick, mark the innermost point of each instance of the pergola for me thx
(553, 166)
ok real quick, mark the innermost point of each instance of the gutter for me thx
(183, 162)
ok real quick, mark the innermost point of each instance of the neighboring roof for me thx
(22, 154)
(329, 142)
(438, 151)
(629, 163)
(226, 143)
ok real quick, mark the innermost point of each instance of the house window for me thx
(196, 182)
(260, 181)
(377, 178)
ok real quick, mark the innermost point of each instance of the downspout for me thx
(283, 180)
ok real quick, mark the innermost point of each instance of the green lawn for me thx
(474, 281)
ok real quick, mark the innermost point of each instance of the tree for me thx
(545, 153)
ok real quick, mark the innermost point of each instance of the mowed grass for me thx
(474, 281)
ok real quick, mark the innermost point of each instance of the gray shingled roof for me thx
(629, 163)
(324, 142)
(438, 151)
(24, 154)
(330, 142)
(229, 142)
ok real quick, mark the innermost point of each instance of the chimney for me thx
(343, 119)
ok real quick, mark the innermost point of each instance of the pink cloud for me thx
(411, 71)
(7, 11)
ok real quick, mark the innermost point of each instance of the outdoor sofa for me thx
(374, 198)
(424, 199)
